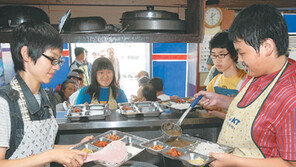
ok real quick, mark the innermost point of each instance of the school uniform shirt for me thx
(227, 86)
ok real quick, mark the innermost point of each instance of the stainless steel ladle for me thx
(171, 130)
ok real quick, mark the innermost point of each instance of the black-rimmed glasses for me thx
(54, 61)
(219, 56)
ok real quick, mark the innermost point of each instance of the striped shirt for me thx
(274, 129)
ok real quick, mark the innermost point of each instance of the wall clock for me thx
(213, 17)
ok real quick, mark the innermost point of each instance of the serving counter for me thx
(197, 123)
(192, 124)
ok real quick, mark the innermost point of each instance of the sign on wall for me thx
(204, 53)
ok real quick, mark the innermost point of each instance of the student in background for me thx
(81, 76)
(68, 87)
(225, 58)
(157, 83)
(103, 88)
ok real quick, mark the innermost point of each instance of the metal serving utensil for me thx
(171, 131)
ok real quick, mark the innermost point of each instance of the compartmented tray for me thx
(188, 151)
(145, 109)
(180, 104)
(132, 142)
(88, 112)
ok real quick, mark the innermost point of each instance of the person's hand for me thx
(87, 138)
(69, 158)
(209, 99)
(223, 160)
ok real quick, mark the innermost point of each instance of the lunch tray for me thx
(180, 104)
(88, 112)
(133, 145)
(189, 152)
(140, 109)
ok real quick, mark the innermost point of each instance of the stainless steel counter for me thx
(195, 124)
(116, 120)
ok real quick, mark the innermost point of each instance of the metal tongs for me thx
(171, 131)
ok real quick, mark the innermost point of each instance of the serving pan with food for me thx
(88, 112)
(145, 109)
(112, 148)
(191, 151)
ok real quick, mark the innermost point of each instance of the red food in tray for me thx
(113, 137)
(100, 143)
(174, 152)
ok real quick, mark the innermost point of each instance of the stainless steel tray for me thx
(189, 152)
(88, 112)
(133, 144)
(180, 104)
(140, 109)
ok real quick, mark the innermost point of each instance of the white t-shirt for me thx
(164, 97)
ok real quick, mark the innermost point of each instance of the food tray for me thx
(189, 151)
(132, 144)
(180, 104)
(139, 109)
(88, 112)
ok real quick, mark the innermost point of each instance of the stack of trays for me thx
(88, 112)
(180, 104)
(191, 151)
(145, 109)
(99, 142)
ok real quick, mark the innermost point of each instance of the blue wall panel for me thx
(291, 22)
(169, 48)
(173, 74)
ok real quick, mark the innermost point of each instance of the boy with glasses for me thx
(224, 57)
(28, 128)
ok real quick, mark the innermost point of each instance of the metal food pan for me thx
(99, 139)
(131, 113)
(151, 143)
(87, 146)
(207, 147)
(75, 116)
(144, 104)
(186, 158)
(187, 141)
(167, 149)
(97, 116)
(97, 106)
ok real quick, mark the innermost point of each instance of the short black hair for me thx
(149, 93)
(38, 37)
(78, 51)
(257, 23)
(157, 83)
(79, 71)
(64, 86)
(221, 40)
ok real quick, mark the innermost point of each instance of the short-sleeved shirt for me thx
(274, 129)
(227, 83)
